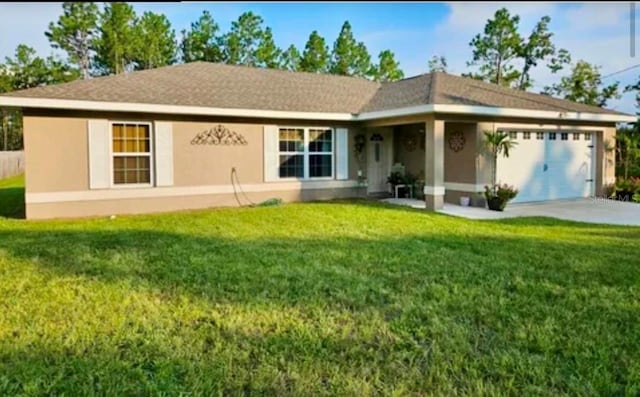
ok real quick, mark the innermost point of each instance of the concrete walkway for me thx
(581, 210)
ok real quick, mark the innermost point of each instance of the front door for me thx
(379, 160)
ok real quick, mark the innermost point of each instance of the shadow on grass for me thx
(343, 271)
(453, 303)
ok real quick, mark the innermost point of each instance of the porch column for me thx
(434, 164)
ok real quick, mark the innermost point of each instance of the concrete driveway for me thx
(582, 210)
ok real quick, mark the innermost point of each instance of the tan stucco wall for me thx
(196, 165)
(56, 151)
(413, 160)
(56, 154)
(460, 166)
(72, 209)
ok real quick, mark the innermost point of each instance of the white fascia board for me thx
(497, 112)
(534, 114)
(46, 103)
(408, 111)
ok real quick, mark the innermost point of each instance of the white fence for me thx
(11, 163)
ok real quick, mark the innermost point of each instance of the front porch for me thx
(440, 159)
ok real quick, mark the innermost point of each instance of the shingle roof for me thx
(226, 86)
(220, 86)
(448, 89)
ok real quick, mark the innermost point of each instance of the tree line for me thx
(115, 40)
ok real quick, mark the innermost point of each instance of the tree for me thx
(267, 53)
(315, 57)
(584, 85)
(27, 70)
(155, 41)
(537, 47)
(559, 60)
(494, 51)
(290, 59)
(628, 148)
(201, 42)
(74, 33)
(387, 69)
(115, 45)
(498, 143)
(349, 58)
(438, 64)
(241, 43)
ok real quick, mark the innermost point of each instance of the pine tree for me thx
(74, 33)
(115, 45)
(155, 41)
(315, 57)
(201, 42)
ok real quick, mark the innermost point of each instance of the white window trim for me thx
(306, 153)
(151, 155)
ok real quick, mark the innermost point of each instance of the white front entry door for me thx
(549, 165)
(379, 144)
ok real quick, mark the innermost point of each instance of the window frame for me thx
(306, 153)
(151, 155)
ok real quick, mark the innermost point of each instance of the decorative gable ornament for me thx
(219, 135)
(457, 141)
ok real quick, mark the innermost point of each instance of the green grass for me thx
(342, 298)
(12, 197)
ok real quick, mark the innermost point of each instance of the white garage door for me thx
(549, 165)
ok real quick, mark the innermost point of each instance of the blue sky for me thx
(596, 32)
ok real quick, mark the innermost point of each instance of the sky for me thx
(599, 33)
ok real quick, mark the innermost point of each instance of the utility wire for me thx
(620, 71)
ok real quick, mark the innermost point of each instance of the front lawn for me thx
(344, 298)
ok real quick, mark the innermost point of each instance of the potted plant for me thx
(410, 180)
(395, 178)
(625, 188)
(497, 196)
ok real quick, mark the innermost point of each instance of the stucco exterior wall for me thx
(409, 148)
(460, 166)
(57, 167)
(56, 154)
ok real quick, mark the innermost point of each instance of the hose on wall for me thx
(236, 181)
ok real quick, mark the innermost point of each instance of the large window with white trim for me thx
(131, 153)
(306, 153)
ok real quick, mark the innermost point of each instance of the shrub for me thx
(503, 191)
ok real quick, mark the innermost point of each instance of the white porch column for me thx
(434, 164)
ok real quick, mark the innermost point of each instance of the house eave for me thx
(66, 104)
(489, 111)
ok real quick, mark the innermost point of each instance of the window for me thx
(526, 135)
(131, 151)
(552, 136)
(587, 136)
(513, 135)
(539, 135)
(291, 152)
(305, 153)
(564, 136)
(576, 136)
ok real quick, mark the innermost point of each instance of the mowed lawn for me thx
(336, 298)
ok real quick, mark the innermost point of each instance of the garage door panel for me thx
(549, 166)
(523, 168)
